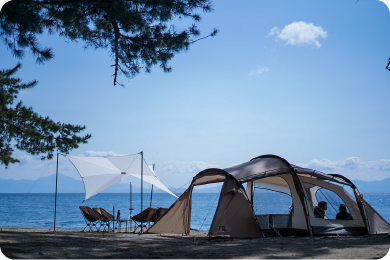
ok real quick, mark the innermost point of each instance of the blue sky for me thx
(305, 80)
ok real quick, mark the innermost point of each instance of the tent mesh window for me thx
(271, 202)
(333, 202)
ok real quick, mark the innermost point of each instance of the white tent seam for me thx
(133, 161)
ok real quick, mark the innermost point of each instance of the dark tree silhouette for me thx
(137, 34)
(24, 129)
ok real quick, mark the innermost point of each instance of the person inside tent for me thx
(319, 211)
(343, 214)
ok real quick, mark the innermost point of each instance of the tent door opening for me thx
(203, 207)
(273, 220)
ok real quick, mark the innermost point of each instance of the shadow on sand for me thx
(44, 245)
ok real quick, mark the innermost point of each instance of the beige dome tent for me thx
(234, 215)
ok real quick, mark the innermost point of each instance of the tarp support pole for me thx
(55, 199)
(151, 193)
(151, 196)
(131, 207)
(142, 180)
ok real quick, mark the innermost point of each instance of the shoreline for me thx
(38, 243)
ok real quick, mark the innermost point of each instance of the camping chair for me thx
(105, 218)
(148, 215)
(91, 218)
(161, 212)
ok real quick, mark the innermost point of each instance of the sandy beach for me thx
(19, 243)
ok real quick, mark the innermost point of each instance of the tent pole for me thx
(151, 197)
(142, 180)
(113, 220)
(131, 208)
(151, 192)
(55, 199)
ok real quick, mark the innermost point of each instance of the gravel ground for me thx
(43, 243)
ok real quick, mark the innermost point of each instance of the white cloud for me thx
(33, 162)
(351, 163)
(258, 71)
(193, 167)
(274, 31)
(32, 168)
(387, 2)
(299, 34)
(90, 153)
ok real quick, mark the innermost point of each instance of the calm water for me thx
(37, 210)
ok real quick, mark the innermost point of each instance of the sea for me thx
(36, 210)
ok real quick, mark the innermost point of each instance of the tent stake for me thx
(55, 199)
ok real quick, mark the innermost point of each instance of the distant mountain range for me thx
(373, 186)
(70, 185)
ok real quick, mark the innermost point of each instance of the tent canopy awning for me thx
(99, 173)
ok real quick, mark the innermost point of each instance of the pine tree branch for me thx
(135, 31)
(212, 35)
(20, 129)
(117, 34)
(64, 2)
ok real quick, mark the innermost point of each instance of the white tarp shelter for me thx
(99, 173)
